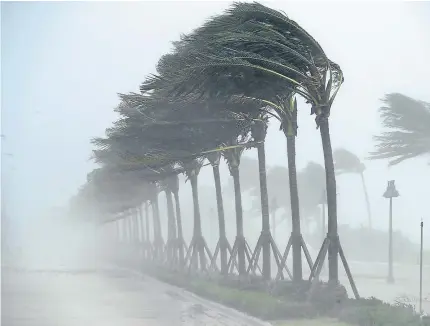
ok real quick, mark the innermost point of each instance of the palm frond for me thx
(409, 121)
(347, 162)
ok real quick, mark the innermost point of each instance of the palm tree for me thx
(258, 133)
(311, 182)
(409, 121)
(277, 177)
(267, 56)
(312, 185)
(347, 162)
(114, 191)
(198, 132)
(290, 131)
(223, 244)
(249, 174)
(198, 244)
(232, 156)
(173, 185)
(172, 244)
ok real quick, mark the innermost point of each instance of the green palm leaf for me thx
(409, 137)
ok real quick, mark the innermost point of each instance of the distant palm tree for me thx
(410, 120)
(248, 173)
(311, 181)
(277, 178)
(347, 162)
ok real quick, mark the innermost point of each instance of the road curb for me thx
(247, 319)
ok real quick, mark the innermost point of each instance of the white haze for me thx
(63, 64)
(56, 244)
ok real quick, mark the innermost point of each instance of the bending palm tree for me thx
(223, 246)
(409, 120)
(268, 56)
(347, 162)
(240, 246)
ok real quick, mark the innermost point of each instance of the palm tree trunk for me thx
(323, 222)
(158, 243)
(147, 222)
(332, 232)
(136, 247)
(129, 228)
(171, 224)
(179, 227)
(221, 219)
(135, 226)
(295, 210)
(264, 210)
(117, 232)
(197, 220)
(141, 224)
(239, 220)
(366, 196)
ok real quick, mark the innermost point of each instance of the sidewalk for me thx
(108, 297)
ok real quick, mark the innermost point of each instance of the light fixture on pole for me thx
(390, 193)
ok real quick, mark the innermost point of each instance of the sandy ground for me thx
(81, 298)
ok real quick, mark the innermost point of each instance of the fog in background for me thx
(64, 63)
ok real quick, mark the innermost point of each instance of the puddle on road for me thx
(197, 309)
(175, 295)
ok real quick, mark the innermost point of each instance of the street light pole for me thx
(421, 268)
(390, 193)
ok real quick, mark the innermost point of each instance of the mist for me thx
(63, 65)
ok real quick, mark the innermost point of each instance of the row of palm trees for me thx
(212, 98)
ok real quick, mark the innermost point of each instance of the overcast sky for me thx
(63, 64)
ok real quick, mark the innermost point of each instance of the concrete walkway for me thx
(108, 298)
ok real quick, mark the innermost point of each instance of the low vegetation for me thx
(311, 322)
(289, 306)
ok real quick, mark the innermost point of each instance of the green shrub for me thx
(258, 304)
(285, 300)
(255, 303)
(374, 312)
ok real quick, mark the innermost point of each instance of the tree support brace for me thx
(319, 262)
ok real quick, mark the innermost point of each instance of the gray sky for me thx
(64, 62)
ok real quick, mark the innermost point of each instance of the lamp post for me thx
(390, 193)
(421, 266)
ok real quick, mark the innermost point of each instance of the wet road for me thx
(84, 298)
(118, 298)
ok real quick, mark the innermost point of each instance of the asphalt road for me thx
(70, 295)
(87, 297)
